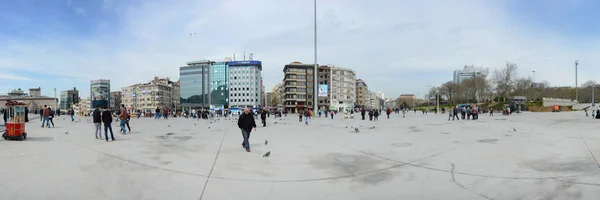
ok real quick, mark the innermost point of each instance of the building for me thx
(83, 107)
(195, 79)
(468, 72)
(373, 102)
(324, 79)
(411, 97)
(99, 93)
(146, 97)
(68, 99)
(390, 103)
(298, 86)
(245, 83)
(361, 93)
(35, 92)
(219, 86)
(34, 104)
(343, 89)
(115, 100)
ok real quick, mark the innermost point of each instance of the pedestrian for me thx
(263, 117)
(123, 118)
(97, 119)
(42, 114)
(72, 113)
(306, 117)
(246, 123)
(376, 115)
(5, 115)
(450, 111)
(51, 116)
(165, 113)
(320, 113)
(127, 122)
(491, 112)
(45, 115)
(26, 114)
(403, 113)
(300, 116)
(362, 113)
(331, 114)
(157, 112)
(326, 113)
(107, 120)
(455, 115)
(370, 115)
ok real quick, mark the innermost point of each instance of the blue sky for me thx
(397, 46)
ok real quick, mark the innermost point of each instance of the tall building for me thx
(343, 89)
(245, 83)
(115, 100)
(99, 93)
(324, 87)
(362, 97)
(380, 95)
(68, 99)
(299, 89)
(195, 82)
(468, 72)
(219, 85)
(160, 92)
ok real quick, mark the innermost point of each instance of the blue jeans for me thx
(122, 124)
(306, 120)
(107, 126)
(45, 120)
(157, 116)
(72, 119)
(246, 135)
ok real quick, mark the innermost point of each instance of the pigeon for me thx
(346, 126)
(356, 130)
(67, 132)
(514, 129)
(209, 127)
(267, 154)
(266, 142)
(373, 127)
(169, 125)
(194, 124)
(275, 123)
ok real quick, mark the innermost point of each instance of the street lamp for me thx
(315, 70)
(533, 79)
(593, 101)
(576, 88)
(437, 100)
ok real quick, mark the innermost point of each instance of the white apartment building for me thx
(343, 89)
(468, 72)
(245, 85)
(148, 96)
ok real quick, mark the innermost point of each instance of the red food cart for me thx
(15, 127)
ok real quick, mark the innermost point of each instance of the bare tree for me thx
(448, 90)
(504, 79)
(522, 87)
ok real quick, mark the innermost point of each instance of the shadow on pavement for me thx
(40, 139)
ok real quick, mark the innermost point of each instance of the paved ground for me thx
(549, 156)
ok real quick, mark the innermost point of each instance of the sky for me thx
(396, 46)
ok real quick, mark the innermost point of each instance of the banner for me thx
(323, 90)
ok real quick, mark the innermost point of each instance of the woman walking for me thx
(51, 116)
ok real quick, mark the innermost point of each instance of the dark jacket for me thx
(106, 117)
(246, 122)
(263, 115)
(97, 118)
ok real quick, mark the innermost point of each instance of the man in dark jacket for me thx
(97, 119)
(263, 117)
(107, 119)
(246, 123)
(362, 113)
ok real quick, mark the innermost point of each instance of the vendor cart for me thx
(15, 127)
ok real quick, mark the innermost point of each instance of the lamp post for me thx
(315, 70)
(576, 88)
(533, 79)
(593, 101)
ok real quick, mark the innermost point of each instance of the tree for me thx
(448, 90)
(522, 87)
(504, 79)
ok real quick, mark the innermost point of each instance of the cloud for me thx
(80, 11)
(13, 77)
(397, 46)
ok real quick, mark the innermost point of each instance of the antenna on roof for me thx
(251, 56)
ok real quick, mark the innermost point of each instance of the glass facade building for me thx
(194, 80)
(219, 85)
(68, 98)
(245, 80)
(99, 93)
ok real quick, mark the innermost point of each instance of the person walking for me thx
(403, 112)
(362, 113)
(42, 113)
(332, 114)
(123, 118)
(165, 113)
(72, 113)
(157, 112)
(300, 116)
(376, 115)
(371, 115)
(263, 117)
(97, 119)
(491, 112)
(127, 122)
(388, 112)
(306, 117)
(45, 115)
(246, 123)
(5, 115)
(26, 114)
(51, 116)
(107, 120)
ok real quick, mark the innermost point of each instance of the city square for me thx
(422, 156)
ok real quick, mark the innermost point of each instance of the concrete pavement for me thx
(549, 156)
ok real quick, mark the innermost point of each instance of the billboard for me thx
(323, 90)
(100, 93)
